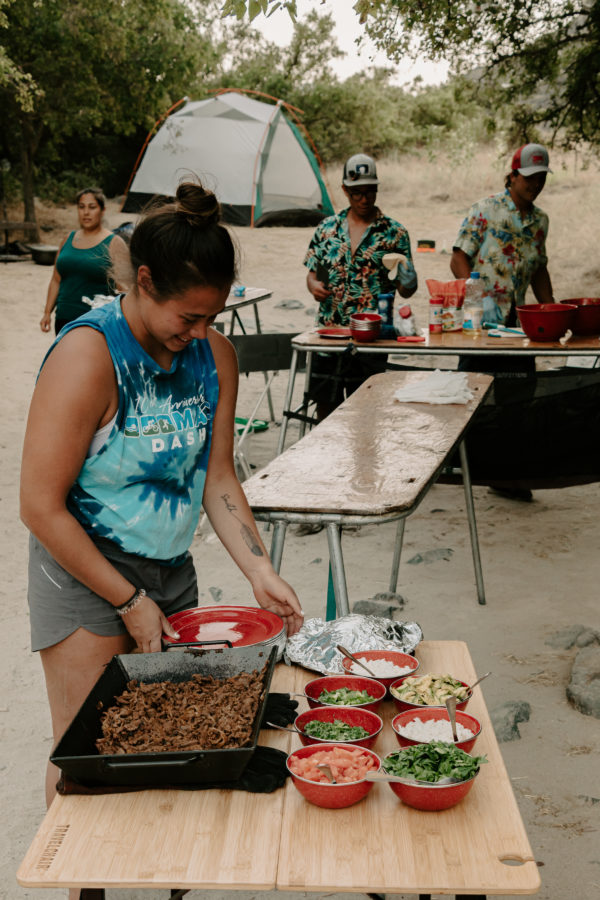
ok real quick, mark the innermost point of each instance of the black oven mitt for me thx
(280, 709)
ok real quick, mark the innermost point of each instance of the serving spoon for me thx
(478, 680)
(281, 728)
(383, 776)
(451, 707)
(354, 659)
(327, 772)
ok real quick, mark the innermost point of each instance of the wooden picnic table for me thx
(226, 840)
(372, 460)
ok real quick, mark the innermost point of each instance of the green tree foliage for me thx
(539, 57)
(365, 112)
(93, 67)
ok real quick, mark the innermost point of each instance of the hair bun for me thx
(199, 207)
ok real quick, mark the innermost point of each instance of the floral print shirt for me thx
(504, 247)
(355, 281)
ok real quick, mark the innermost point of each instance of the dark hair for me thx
(96, 193)
(183, 243)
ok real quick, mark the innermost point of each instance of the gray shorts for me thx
(59, 604)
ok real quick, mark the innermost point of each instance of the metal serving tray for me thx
(76, 752)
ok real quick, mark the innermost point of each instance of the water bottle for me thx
(473, 305)
(385, 308)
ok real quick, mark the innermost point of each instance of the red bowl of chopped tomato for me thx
(348, 763)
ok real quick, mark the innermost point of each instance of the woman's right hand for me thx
(45, 322)
(146, 624)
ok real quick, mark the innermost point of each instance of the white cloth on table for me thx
(439, 387)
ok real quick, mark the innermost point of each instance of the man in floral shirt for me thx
(504, 239)
(346, 274)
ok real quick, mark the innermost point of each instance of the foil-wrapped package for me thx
(315, 645)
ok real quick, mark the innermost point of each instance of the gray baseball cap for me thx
(358, 170)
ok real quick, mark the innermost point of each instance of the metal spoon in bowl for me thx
(471, 686)
(451, 707)
(383, 776)
(354, 659)
(327, 772)
(281, 728)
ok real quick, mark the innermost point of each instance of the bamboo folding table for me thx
(225, 840)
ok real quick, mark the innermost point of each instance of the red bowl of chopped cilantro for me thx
(429, 764)
(339, 724)
(345, 690)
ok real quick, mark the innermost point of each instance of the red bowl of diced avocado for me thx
(345, 690)
(339, 724)
(348, 764)
(418, 691)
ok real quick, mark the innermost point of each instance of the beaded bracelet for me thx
(131, 603)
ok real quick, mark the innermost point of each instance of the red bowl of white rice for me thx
(420, 726)
(388, 666)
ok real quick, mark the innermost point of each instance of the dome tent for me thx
(253, 156)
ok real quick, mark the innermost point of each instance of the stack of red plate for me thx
(238, 626)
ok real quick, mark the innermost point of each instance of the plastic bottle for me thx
(385, 307)
(473, 304)
(436, 308)
(405, 321)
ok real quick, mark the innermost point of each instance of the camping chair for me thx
(266, 353)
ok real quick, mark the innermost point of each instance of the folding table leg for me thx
(338, 573)
(277, 543)
(397, 555)
(466, 476)
(287, 403)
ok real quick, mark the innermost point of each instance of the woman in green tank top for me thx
(83, 263)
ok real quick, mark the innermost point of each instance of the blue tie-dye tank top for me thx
(143, 488)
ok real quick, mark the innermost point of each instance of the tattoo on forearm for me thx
(248, 535)
(229, 506)
(250, 539)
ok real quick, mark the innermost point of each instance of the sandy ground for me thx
(540, 561)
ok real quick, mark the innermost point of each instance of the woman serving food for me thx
(130, 433)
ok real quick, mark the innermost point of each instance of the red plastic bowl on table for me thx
(350, 715)
(313, 690)
(546, 321)
(402, 705)
(587, 316)
(435, 714)
(331, 796)
(402, 660)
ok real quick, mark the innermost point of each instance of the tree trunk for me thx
(27, 155)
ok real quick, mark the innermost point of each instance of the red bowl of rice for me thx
(432, 721)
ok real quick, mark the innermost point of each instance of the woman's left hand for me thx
(276, 595)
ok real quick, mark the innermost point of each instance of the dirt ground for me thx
(540, 560)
